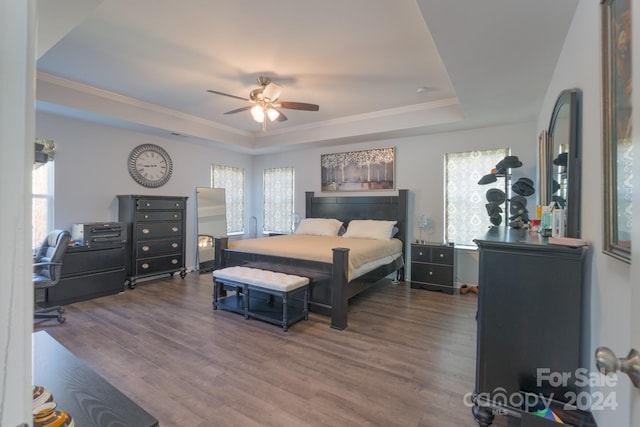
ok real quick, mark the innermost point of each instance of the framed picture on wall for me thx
(616, 126)
(365, 170)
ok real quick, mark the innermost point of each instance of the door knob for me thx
(608, 363)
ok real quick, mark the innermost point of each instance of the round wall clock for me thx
(150, 165)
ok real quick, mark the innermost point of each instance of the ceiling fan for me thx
(266, 102)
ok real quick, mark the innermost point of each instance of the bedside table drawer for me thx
(433, 254)
(442, 255)
(432, 273)
(420, 253)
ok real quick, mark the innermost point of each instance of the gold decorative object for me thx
(46, 415)
(41, 396)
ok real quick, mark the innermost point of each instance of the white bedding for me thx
(364, 254)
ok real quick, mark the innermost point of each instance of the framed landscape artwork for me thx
(617, 132)
(364, 170)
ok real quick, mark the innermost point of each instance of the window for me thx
(232, 180)
(466, 217)
(41, 202)
(278, 200)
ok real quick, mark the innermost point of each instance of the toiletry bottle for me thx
(558, 220)
(546, 223)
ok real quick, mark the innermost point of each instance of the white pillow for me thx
(319, 227)
(370, 229)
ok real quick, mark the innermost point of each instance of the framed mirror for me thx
(616, 127)
(212, 222)
(544, 159)
(562, 163)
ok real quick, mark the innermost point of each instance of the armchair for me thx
(47, 269)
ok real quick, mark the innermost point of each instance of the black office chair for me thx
(46, 272)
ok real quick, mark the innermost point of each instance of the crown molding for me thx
(135, 103)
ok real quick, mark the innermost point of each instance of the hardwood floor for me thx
(406, 359)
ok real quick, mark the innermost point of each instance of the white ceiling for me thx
(371, 65)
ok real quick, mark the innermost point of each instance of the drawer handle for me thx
(174, 261)
(175, 215)
(145, 231)
(420, 253)
(174, 245)
(145, 266)
(441, 255)
(174, 229)
(146, 216)
(148, 204)
(177, 205)
(431, 273)
(145, 248)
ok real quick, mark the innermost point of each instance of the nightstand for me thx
(433, 267)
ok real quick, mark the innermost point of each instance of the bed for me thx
(333, 279)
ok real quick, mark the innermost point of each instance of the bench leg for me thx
(285, 319)
(246, 301)
(215, 295)
(306, 303)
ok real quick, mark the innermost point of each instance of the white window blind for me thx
(278, 200)
(466, 217)
(232, 180)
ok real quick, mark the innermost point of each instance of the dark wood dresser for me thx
(89, 272)
(433, 267)
(77, 389)
(157, 241)
(532, 325)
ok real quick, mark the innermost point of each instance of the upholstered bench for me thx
(254, 288)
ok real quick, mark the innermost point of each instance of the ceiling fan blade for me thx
(272, 91)
(281, 117)
(238, 110)
(298, 106)
(226, 94)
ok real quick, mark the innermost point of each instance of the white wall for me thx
(610, 282)
(419, 164)
(17, 53)
(635, 266)
(419, 168)
(91, 170)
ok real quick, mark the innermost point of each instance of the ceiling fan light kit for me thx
(266, 103)
(273, 114)
(259, 112)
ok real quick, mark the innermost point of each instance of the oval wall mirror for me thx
(562, 169)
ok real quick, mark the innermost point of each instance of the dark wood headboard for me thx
(346, 208)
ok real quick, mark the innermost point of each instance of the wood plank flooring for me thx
(406, 359)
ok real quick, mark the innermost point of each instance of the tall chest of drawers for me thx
(533, 318)
(157, 241)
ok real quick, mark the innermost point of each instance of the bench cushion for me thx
(261, 278)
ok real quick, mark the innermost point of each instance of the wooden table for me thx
(81, 392)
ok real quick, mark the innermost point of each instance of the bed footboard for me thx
(328, 294)
(329, 289)
(339, 298)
